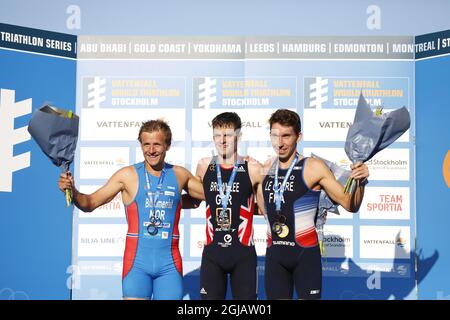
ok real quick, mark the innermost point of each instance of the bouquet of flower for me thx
(56, 132)
(325, 203)
(372, 132)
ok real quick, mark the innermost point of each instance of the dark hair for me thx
(287, 118)
(227, 119)
(156, 125)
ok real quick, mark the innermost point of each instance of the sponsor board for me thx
(385, 203)
(332, 125)
(338, 241)
(124, 124)
(197, 240)
(385, 242)
(248, 92)
(127, 92)
(102, 162)
(100, 268)
(343, 92)
(260, 238)
(389, 164)
(199, 212)
(101, 240)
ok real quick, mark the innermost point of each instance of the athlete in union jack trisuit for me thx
(230, 183)
(289, 198)
(151, 192)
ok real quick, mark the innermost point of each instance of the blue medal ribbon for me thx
(153, 200)
(225, 196)
(278, 191)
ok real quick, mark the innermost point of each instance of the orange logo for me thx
(446, 169)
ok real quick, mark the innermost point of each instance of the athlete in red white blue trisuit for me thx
(151, 192)
(289, 198)
(230, 183)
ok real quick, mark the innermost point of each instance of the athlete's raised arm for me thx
(325, 178)
(88, 202)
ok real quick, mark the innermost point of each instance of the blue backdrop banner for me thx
(35, 227)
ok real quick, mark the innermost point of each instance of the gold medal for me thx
(284, 231)
(223, 218)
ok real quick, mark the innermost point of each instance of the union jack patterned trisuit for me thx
(229, 252)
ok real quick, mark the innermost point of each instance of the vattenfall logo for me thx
(120, 162)
(401, 242)
(246, 124)
(119, 124)
(379, 241)
(335, 124)
(101, 163)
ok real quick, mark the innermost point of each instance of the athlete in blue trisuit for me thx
(230, 183)
(151, 192)
(289, 198)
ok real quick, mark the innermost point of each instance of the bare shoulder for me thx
(125, 173)
(255, 169)
(181, 171)
(204, 162)
(183, 175)
(202, 166)
(126, 177)
(252, 162)
(316, 168)
(268, 163)
(315, 164)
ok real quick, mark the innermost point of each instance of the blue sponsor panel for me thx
(433, 176)
(35, 225)
(127, 92)
(244, 92)
(343, 92)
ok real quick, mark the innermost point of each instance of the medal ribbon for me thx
(159, 186)
(224, 197)
(278, 192)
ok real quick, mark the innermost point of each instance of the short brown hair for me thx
(227, 119)
(287, 118)
(157, 125)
